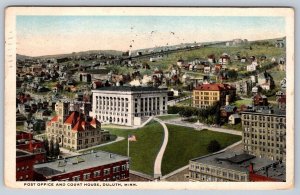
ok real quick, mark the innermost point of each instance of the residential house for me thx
(224, 59)
(260, 100)
(234, 119)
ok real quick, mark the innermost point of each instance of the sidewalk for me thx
(158, 160)
(200, 126)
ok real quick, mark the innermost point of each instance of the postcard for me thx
(149, 98)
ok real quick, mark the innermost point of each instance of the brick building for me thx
(92, 166)
(207, 94)
(29, 152)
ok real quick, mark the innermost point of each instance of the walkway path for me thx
(158, 160)
(201, 126)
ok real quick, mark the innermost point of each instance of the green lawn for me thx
(142, 152)
(168, 117)
(234, 127)
(185, 143)
(238, 103)
(187, 102)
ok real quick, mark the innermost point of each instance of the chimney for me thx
(251, 168)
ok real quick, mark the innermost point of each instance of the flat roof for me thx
(130, 88)
(265, 111)
(78, 162)
(238, 161)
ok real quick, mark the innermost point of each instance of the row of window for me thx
(269, 125)
(264, 131)
(206, 93)
(111, 98)
(96, 174)
(263, 137)
(219, 173)
(263, 149)
(264, 118)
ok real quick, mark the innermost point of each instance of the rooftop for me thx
(130, 88)
(238, 161)
(77, 163)
(265, 110)
(215, 87)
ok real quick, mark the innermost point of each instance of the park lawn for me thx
(168, 117)
(187, 102)
(186, 143)
(142, 152)
(238, 103)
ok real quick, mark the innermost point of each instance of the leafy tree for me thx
(51, 148)
(46, 146)
(56, 150)
(213, 146)
(232, 74)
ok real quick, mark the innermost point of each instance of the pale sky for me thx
(46, 35)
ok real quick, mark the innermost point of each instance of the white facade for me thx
(128, 106)
(251, 67)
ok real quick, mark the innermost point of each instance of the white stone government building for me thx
(128, 105)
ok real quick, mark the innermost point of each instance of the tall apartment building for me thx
(126, 105)
(207, 94)
(235, 167)
(73, 129)
(264, 132)
(93, 166)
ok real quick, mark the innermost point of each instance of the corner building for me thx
(264, 133)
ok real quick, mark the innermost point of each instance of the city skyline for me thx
(62, 34)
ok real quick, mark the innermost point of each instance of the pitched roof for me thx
(70, 119)
(214, 87)
(79, 126)
(54, 119)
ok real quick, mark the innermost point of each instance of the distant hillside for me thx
(104, 52)
(21, 57)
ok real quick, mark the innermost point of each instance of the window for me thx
(123, 167)
(86, 176)
(106, 171)
(76, 178)
(96, 173)
(116, 169)
(236, 176)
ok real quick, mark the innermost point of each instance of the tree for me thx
(51, 148)
(213, 146)
(56, 150)
(46, 146)
(232, 74)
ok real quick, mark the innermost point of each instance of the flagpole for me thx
(127, 146)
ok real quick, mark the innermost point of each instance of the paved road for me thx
(173, 102)
(158, 160)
